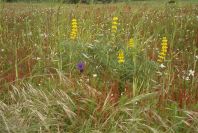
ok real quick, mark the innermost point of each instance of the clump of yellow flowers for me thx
(114, 26)
(163, 52)
(73, 34)
(121, 56)
(131, 43)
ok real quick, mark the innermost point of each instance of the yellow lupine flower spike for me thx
(163, 52)
(121, 56)
(74, 27)
(131, 43)
(115, 18)
(114, 25)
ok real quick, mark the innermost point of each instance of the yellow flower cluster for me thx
(114, 25)
(73, 34)
(121, 56)
(162, 54)
(131, 43)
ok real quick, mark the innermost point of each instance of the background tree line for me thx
(74, 1)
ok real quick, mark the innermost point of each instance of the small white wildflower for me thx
(43, 35)
(187, 78)
(196, 57)
(162, 66)
(94, 75)
(2, 50)
(38, 58)
(191, 73)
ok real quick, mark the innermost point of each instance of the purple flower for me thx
(81, 66)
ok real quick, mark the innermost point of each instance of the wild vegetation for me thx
(74, 1)
(99, 68)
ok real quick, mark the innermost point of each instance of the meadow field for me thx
(104, 68)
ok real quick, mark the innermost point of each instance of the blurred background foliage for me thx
(79, 1)
(95, 1)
